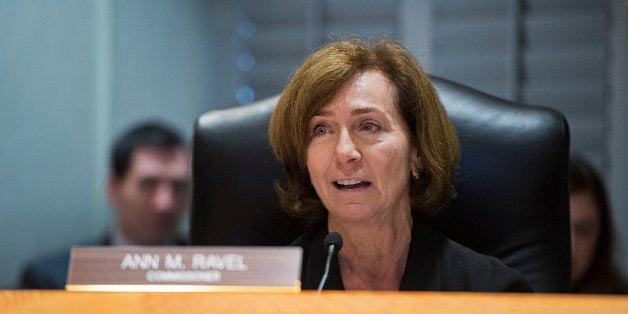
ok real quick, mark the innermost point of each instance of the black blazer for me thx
(434, 263)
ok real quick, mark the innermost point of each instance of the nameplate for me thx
(180, 268)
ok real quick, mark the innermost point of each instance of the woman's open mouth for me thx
(350, 185)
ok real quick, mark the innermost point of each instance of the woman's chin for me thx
(355, 215)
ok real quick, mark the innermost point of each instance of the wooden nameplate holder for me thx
(180, 268)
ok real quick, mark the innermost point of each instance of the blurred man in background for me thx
(148, 187)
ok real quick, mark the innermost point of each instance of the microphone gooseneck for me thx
(332, 243)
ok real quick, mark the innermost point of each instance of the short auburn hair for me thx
(314, 85)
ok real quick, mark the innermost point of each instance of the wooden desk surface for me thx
(41, 301)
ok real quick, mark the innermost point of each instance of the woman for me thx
(592, 240)
(364, 140)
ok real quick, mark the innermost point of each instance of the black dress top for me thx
(434, 263)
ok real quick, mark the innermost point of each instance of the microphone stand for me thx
(330, 252)
(333, 243)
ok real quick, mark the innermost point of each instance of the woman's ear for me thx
(417, 165)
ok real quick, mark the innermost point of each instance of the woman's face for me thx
(585, 230)
(359, 154)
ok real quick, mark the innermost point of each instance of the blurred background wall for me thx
(73, 74)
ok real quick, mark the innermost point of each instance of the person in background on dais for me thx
(368, 151)
(148, 188)
(592, 240)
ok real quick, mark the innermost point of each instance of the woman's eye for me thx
(320, 129)
(584, 230)
(370, 127)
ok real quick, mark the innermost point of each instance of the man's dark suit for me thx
(51, 272)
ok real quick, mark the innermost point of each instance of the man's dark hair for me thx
(156, 135)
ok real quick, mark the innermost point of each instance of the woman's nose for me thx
(346, 148)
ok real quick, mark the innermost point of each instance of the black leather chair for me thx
(512, 184)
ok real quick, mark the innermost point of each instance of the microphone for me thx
(333, 244)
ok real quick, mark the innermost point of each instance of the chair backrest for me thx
(512, 187)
